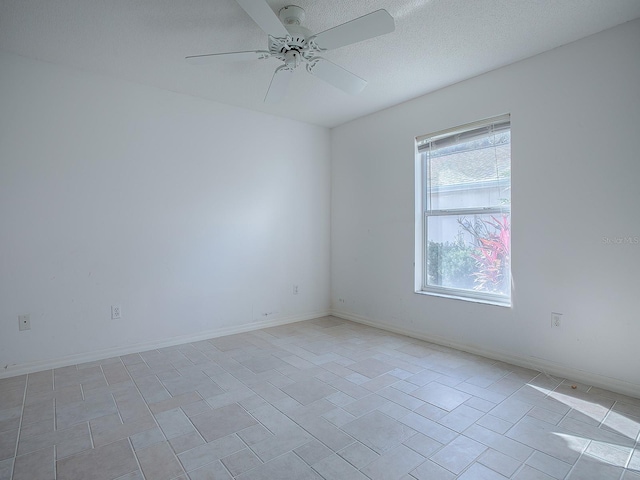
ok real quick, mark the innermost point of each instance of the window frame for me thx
(424, 212)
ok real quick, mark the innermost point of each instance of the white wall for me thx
(575, 125)
(196, 218)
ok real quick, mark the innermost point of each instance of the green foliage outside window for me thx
(482, 264)
(451, 264)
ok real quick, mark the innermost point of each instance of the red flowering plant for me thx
(492, 242)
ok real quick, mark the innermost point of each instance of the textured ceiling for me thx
(436, 43)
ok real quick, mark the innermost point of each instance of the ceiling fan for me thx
(295, 45)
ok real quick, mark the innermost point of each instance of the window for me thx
(463, 212)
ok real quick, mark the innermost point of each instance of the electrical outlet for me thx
(295, 290)
(24, 322)
(556, 320)
(116, 313)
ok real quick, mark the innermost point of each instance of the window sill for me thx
(495, 303)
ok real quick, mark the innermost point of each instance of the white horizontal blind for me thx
(464, 133)
(466, 181)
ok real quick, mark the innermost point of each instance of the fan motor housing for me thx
(299, 35)
(293, 49)
(279, 47)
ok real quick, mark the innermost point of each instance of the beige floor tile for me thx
(222, 421)
(378, 432)
(123, 431)
(68, 441)
(441, 396)
(254, 434)
(72, 441)
(6, 468)
(588, 468)
(511, 410)
(186, 442)
(335, 467)
(594, 432)
(308, 391)
(323, 398)
(103, 463)
(482, 393)
(8, 443)
(478, 471)
(461, 418)
(313, 451)
(428, 427)
(480, 404)
(549, 465)
(174, 402)
(394, 463)
(370, 367)
(431, 471)
(158, 462)
(339, 417)
(327, 433)
(39, 411)
(622, 423)
(365, 405)
(195, 408)
(19, 381)
(284, 441)
(422, 444)
(115, 373)
(11, 397)
(38, 465)
(498, 442)
(496, 424)
(458, 454)
(210, 452)
(174, 423)
(401, 398)
(499, 462)
(212, 471)
(241, 461)
(358, 455)
(147, 438)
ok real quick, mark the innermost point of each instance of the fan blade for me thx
(227, 57)
(267, 20)
(279, 84)
(362, 28)
(336, 76)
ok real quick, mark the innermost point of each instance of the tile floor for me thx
(319, 399)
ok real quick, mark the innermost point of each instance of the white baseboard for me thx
(534, 363)
(32, 367)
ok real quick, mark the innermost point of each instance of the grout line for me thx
(175, 456)
(523, 464)
(229, 471)
(609, 412)
(15, 450)
(135, 455)
(573, 467)
(91, 435)
(117, 408)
